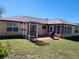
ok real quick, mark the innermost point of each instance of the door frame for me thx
(51, 28)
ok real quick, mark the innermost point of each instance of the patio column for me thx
(60, 30)
(29, 30)
(62, 27)
(37, 31)
(23, 29)
(49, 29)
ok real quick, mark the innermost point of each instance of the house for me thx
(37, 27)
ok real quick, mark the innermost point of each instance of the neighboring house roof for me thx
(38, 20)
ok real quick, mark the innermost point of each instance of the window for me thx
(11, 27)
(15, 29)
(58, 29)
(50, 29)
(55, 29)
(69, 30)
(64, 30)
(43, 27)
(33, 30)
(76, 30)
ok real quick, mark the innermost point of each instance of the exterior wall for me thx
(3, 31)
(55, 30)
(22, 29)
(42, 31)
(67, 34)
(72, 32)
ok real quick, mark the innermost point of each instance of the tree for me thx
(1, 10)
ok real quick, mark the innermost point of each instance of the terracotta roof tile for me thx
(59, 21)
(25, 19)
(39, 20)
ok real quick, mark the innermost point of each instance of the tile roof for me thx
(39, 20)
(58, 21)
(25, 19)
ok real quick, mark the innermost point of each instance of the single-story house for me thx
(32, 26)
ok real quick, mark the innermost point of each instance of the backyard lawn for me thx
(48, 49)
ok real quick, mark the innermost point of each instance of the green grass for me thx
(53, 49)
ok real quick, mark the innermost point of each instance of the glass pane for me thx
(55, 29)
(15, 29)
(62, 29)
(50, 29)
(58, 29)
(43, 27)
(65, 29)
(76, 30)
(9, 29)
(33, 30)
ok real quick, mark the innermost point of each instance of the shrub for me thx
(3, 51)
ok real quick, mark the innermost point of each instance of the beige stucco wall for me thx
(3, 32)
(41, 31)
(22, 29)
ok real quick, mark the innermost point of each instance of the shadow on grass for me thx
(74, 38)
(11, 37)
(39, 43)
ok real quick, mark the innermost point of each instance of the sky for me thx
(63, 9)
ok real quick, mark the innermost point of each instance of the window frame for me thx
(9, 29)
(58, 29)
(12, 25)
(76, 30)
(44, 27)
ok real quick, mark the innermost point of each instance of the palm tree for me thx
(1, 10)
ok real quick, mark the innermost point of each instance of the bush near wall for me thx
(3, 51)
